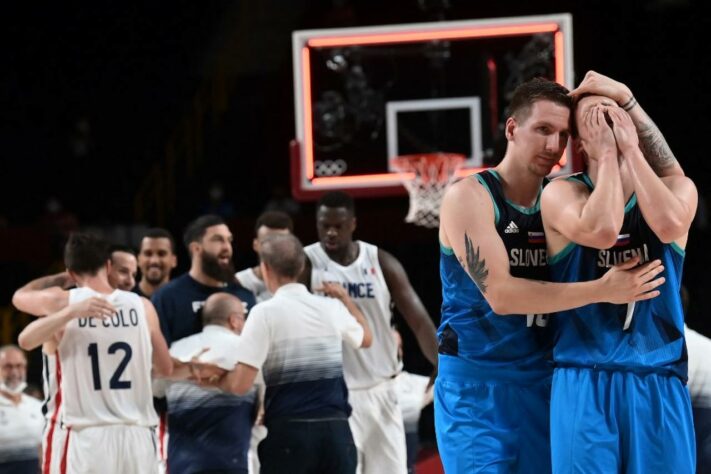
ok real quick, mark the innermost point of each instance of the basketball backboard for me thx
(364, 96)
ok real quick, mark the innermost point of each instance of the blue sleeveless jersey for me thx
(469, 328)
(602, 335)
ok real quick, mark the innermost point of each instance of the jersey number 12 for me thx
(115, 383)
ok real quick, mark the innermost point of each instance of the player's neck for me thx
(98, 283)
(345, 256)
(520, 185)
(203, 279)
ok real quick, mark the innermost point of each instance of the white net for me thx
(431, 174)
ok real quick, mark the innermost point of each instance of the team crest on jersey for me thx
(512, 228)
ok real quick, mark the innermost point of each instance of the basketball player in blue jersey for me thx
(493, 388)
(619, 401)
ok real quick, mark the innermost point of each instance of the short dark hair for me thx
(195, 231)
(120, 248)
(531, 91)
(335, 199)
(274, 220)
(85, 253)
(284, 254)
(160, 233)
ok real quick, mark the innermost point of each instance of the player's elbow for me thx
(21, 302)
(604, 239)
(500, 302)
(601, 238)
(670, 230)
(25, 342)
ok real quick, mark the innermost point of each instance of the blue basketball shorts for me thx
(489, 425)
(620, 421)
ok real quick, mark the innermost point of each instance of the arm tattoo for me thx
(653, 145)
(476, 266)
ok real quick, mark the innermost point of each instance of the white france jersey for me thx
(248, 279)
(106, 365)
(365, 283)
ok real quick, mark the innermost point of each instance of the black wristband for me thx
(629, 105)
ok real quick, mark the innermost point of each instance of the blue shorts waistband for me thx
(641, 371)
(456, 368)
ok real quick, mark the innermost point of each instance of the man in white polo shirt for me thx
(296, 339)
(21, 418)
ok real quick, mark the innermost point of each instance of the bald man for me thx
(210, 430)
(21, 418)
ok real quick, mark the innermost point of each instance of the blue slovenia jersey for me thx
(469, 328)
(647, 336)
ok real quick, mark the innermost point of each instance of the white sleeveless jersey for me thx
(248, 279)
(106, 365)
(365, 283)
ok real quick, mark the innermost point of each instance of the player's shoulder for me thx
(576, 180)
(314, 251)
(567, 185)
(465, 191)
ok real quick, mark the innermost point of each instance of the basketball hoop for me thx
(428, 175)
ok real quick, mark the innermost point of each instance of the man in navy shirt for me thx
(209, 243)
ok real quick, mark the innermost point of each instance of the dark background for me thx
(127, 115)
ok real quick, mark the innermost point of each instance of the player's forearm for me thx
(663, 211)
(42, 330)
(360, 317)
(522, 296)
(654, 146)
(427, 340)
(37, 303)
(238, 381)
(38, 298)
(603, 213)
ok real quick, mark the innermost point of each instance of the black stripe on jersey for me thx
(45, 375)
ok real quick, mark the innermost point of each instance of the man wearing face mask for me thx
(179, 303)
(20, 416)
